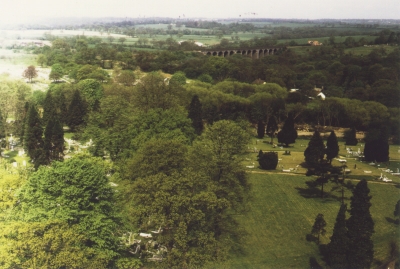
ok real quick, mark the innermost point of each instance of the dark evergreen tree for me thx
(268, 160)
(196, 114)
(57, 140)
(337, 248)
(360, 228)
(49, 109)
(332, 147)
(319, 226)
(24, 119)
(33, 141)
(2, 130)
(314, 153)
(47, 145)
(63, 111)
(260, 129)
(272, 127)
(350, 137)
(377, 145)
(76, 111)
(288, 134)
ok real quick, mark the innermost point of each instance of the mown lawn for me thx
(280, 216)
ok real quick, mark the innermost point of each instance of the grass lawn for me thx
(279, 218)
(283, 209)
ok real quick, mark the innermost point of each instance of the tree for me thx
(319, 227)
(56, 73)
(360, 228)
(42, 60)
(91, 90)
(338, 247)
(126, 78)
(54, 141)
(314, 153)
(49, 109)
(154, 91)
(260, 129)
(75, 215)
(179, 78)
(76, 111)
(332, 147)
(30, 73)
(33, 141)
(196, 114)
(288, 134)
(350, 137)
(272, 127)
(268, 160)
(2, 130)
(377, 145)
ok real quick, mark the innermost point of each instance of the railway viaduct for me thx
(252, 53)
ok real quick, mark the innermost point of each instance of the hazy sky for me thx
(23, 10)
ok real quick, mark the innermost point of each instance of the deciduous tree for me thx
(30, 73)
(196, 114)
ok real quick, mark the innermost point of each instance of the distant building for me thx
(314, 43)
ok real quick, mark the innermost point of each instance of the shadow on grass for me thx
(394, 221)
(314, 263)
(313, 190)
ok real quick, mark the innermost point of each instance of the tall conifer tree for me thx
(260, 129)
(314, 153)
(57, 140)
(332, 147)
(337, 248)
(360, 228)
(33, 141)
(2, 130)
(76, 111)
(288, 134)
(49, 109)
(272, 127)
(196, 114)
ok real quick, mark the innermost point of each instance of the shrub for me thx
(268, 160)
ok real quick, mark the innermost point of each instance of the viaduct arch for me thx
(252, 53)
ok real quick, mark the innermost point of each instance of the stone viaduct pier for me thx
(252, 53)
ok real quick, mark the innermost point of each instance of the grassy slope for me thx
(279, 219)
(280, 215)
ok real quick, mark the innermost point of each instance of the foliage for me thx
(350, 137)
(72, 197)
(179, 78)
(196, 114)
(332, 147)
(360, 228)
(377, 145)
(91, 91)
(288, 134)
(396, 211)
(56, 73)
(76, 111)
(154, 92)
(33, 141)
(30, 73)
(338, 246)
(260, 129)
(268, 160)
(126, 78)
(315, 151)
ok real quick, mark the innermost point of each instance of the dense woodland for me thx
(175, 144)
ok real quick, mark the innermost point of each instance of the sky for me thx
(22, 11)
